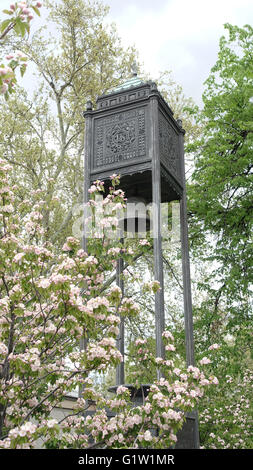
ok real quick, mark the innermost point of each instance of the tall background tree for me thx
(43, 137)
(221, 217)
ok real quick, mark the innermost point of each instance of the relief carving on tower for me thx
(168, 146)
(119, 137)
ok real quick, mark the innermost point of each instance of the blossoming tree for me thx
(47, 304)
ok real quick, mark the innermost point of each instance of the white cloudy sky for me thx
(177, 35)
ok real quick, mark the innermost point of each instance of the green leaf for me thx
(22, 70)
(20, 27)
(17, 28)
(8, 12)
(27, 27)
(5, 24)
(36, 10)
(14, 64)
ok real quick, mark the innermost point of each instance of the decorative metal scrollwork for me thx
(120, 137)
(168, 142)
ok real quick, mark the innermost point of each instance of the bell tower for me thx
(132, 132)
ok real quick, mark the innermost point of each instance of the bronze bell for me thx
(136, 218)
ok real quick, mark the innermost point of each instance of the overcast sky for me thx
(177, 35)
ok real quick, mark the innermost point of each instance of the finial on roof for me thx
(134, 69)
(89, 105)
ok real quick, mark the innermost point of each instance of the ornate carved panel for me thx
(168, 147)
(122, 98)
(119, 137)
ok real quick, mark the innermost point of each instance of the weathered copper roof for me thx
(131, 82)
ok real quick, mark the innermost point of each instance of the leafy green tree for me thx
(220, 196)
(221, 216)
(43, 137)
(183, 107)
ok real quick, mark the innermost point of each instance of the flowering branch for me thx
(20, 17)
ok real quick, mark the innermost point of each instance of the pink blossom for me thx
(32, 402)
(14, 433)
(170, 347)
(159, 360)
(91, 260)
(114, 176)
(137, 419)
(168, 335)
(66, 247)
(114, 251)
(147, 436)
(120, 437)
(214, 346)
(44, 283)
(121, 389)
(8, 208)
(113, 319)
(92, 189)
(3, 349)
(147, 408)
(29, 427)
(205, 360)
(171, 415)
(214, 380)
(21, 55)
(183, 377)
(204, 382)
(51, 328)
(51, 423)
(22, 5)
(59, 278)
(18, 257)
(194, 370)
(5, 70)
(144, 242)
(173, 437)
